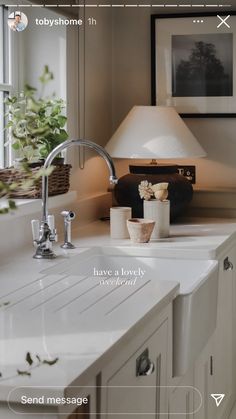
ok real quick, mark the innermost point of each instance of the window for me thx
(5, 78)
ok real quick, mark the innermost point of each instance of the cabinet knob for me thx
(151, 368)
(228, 266)
(144, 366)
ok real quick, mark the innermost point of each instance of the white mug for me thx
(118, 222)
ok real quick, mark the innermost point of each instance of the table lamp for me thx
(154, 132)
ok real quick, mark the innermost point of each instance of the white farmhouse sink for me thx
(194, 309)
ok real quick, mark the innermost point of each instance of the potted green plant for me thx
(36, 123)
(36, 126)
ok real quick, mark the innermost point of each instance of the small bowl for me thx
(140, 229)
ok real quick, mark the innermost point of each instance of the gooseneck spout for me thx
(67, 144)
(46, 233)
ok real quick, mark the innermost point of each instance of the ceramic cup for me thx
(159, 211)
(118, 225)
(140, 229)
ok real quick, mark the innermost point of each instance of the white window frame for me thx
(10, 43)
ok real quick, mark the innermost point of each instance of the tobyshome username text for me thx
(59, 21)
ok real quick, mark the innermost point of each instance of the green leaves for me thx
(16, 146)
(5, 304)
(38, 358)
(5, 190)
(44, 172)
(36, 124)
(4, 210)
(9, 125)
(29, 90)
(28, 359)
(50, 363)
(61, 136)
(46, 76)
(33, 364)
(12, 204)
(19, 372)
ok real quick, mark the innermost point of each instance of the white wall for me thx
(95, 105)
(45, 45)
(131, 86)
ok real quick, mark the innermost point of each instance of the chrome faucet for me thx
(45, 234)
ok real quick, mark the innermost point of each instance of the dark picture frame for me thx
(183, 46)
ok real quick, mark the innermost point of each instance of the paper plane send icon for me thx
(218, 398)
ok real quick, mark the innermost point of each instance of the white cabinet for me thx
(215, 367)
(135, 381)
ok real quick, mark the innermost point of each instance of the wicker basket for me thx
(59, 181)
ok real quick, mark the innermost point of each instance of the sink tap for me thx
(45, 236)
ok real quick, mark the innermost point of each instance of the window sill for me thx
(31, 206)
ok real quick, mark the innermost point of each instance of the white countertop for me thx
(80, 341)
(45, 317)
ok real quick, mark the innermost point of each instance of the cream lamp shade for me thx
(153, 132)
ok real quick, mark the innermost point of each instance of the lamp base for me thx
(180, 189)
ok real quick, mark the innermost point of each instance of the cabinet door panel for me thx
(130, 394)
(203, 381)
(180, 403)
(223, 356)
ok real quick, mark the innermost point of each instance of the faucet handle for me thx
(51, 222)
(35, 230)
(51, 225)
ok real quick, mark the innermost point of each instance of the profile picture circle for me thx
(17, 21)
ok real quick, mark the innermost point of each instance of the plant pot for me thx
(57, 161)
(34, 164)
(140, 230)
(58, 183)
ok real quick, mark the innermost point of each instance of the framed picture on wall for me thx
(194, 63)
